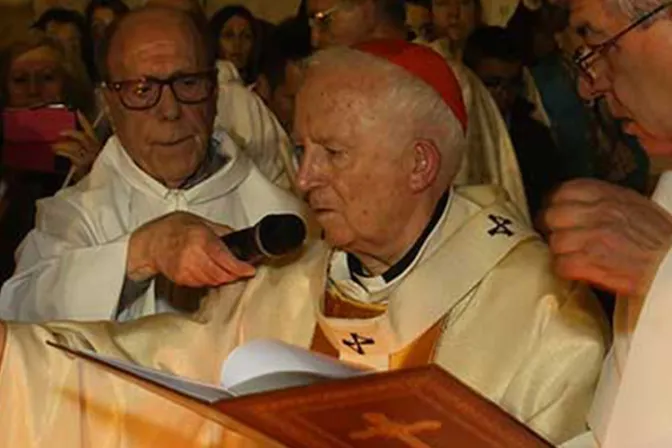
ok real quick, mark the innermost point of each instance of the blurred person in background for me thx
(34, 71)
(281, 71)
(237, 34)
(493, 54)
(68, 27)
(453, 22)
(419, 19)
(99, 15)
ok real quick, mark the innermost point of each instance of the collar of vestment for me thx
(478, 228)
(370, 284)
(209, 185)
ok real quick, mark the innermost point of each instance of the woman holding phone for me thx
(34, 72)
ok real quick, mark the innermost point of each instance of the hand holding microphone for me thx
(272, 237)
(188, 249)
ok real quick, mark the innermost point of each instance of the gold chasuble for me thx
(475, 295)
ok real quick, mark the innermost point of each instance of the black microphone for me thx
(272, 237)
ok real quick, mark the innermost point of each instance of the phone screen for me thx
(28, 135)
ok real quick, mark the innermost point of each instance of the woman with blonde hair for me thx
(34, 71)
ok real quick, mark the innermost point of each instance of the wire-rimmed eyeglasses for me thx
(585, 58)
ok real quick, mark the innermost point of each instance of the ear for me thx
(426, 165)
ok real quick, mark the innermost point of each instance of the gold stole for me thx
(418, 353)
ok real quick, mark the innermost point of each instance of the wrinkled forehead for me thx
(156, 50)
(334, 102)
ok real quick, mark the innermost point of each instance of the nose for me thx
(169, 107)
(311, 168)
(587, 89)
(34, 87)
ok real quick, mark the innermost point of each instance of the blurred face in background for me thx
(419, 20)
(101, 19)
(455, 19)
(504, 80)
(35, 77)
(283, 98)
(236, 40)
(68, 35)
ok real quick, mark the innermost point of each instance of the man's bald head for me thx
(188, 6)
(153, 25)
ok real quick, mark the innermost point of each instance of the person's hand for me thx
(607, 235)
(80, 147)
(186, 249)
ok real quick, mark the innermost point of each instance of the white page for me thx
(265, 357)
(195, 389)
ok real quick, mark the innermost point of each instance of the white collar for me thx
(368, 289)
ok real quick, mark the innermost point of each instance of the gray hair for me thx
(415, 109)
(635, 9)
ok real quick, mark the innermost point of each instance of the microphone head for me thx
(280, 234)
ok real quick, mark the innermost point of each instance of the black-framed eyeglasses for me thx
(145, 93)
(585, 57)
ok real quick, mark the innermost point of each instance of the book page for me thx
(202, 392)
(266, 364)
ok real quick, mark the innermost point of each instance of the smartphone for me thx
(29, 133)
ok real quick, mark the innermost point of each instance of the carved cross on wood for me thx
(382, 426)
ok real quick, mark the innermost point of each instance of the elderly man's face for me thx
(334, 22)
(352, 173)
(169, 140)
(634, 76)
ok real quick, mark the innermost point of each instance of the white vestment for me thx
(508, 327)
(73, 264)
(633, 404)
(254, 128)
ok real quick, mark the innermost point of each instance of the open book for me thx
(284, 396)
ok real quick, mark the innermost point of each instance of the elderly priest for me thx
(414, 272)
(148, 207)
